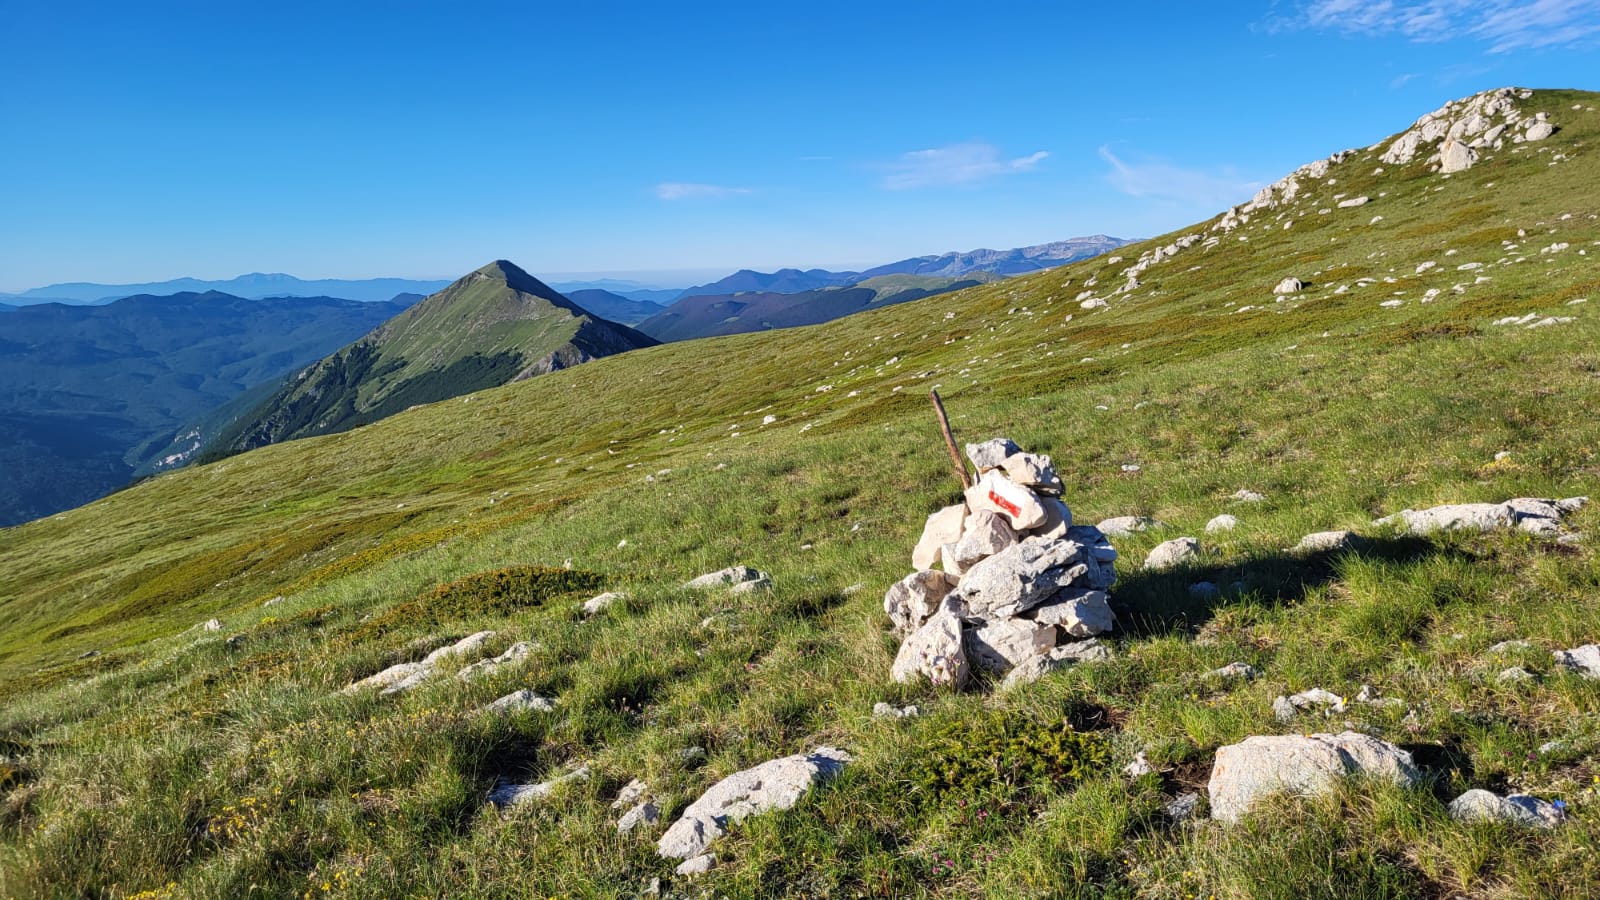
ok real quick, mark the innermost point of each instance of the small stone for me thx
(1583, 660)
(515, 653)
(1223, 522)
(646, 813)
(934, 651)
(1079, 612)
(1325, 542)
(991, 454)
(598, 604)
(888, 711)
(1514, 674)
(520, 701)
(1520, 809)
(1283, 709)
(1124, 526)
(1512, 646)
(914, 599)
(1289, 285)
(1032, 470)
(1239, 670)
(1245, 495)
(631, 793)
(507, 795)
(1139, 766)
(1173, 553)
(732, 577)
(1182, 807)
(697, 865)
(212, 625)
(1204, 590)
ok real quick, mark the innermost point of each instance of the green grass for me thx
(180, 757)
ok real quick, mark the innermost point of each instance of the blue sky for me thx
(342, 139)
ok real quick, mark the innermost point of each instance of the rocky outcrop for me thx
(1531, 514)
(406, 676)
(1519, 809)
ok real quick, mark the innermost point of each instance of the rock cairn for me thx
(1017, 583)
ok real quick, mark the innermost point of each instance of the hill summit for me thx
(495, 325)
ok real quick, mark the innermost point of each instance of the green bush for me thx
(1011, 752)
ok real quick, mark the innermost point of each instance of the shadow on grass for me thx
(1153, 603)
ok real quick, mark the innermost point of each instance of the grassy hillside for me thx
(185, 762)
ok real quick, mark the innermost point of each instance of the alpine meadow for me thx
(189, 707)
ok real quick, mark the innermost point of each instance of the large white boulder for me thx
(1455, 156)
(775, 784)
(1304, 765)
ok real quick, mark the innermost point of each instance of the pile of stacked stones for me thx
(1018, 588)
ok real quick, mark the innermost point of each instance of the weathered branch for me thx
(950, 441)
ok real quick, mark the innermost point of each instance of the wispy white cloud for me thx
(1400, 81)
(957, 164)
(1505, 25)
(686, 190)
(1163, 181)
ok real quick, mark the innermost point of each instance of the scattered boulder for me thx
(776, 784)
(889, 711)
(1325, 542)
(1126, 526)
(506, 795)
(1245, 495)
(1299, 764)
(520, 701)
(1519, 809)
(646, 813)
(598, 604)
(1454, 156)
(1514, 674)
(1173, 553)
(1538, 131)
(1289, 285)
(212, 625)
(1583, 660)
(733, 577)
(515, 653)
(406, 676)
(1223, 522)
(697, 865)
(631, 793)
(1539, 516)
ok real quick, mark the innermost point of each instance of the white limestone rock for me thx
(1124, 526)
(515, 653)
(1019, 578)
(598, 604)
(1036, 667)
(1325, 542)
(1289, 285)
(1001, 645)
(1078, 612)
(508, 795)
(1224, 522)
(991, 454)
(697, 865)
(1057, 519)
(646, 814)
(520, 701)
(1032, 470)
(775, 784)
(1299, 764)
(733, 577)
(1538, 131)
(1519, 809)
(998, 494)
(1234, 670)
(1455, 156)
(1171, 554)
(1583, 660)
(943, 527)
(1452, 517)
(985, 534)
(914, 599)
(934, 651)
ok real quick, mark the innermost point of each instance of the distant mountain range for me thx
(252, 286)
(495, 325)
(708, 316)
(90, 396)
(613, 306)
(946, 265)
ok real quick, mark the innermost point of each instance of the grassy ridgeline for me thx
(173, 758)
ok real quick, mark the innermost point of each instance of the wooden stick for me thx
(950, 441)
